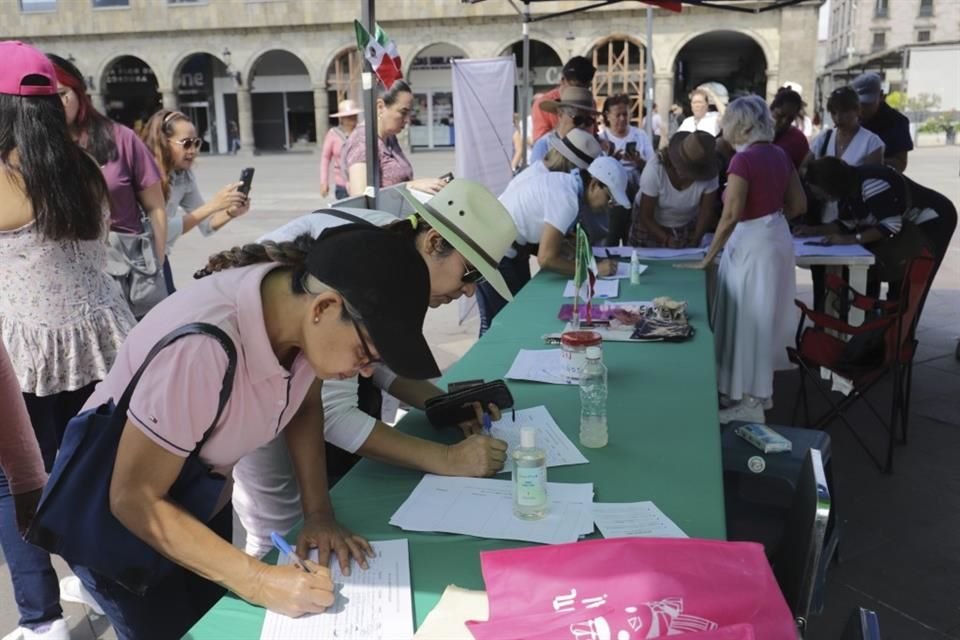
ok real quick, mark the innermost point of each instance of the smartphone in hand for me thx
(631, 148)
(246, 179)
(446, 178)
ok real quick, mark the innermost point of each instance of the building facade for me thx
(900, 39)
(275, 69)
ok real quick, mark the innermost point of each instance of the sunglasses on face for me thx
(471, 275)
(189, 143)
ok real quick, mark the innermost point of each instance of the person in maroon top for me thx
(785, 108)
(132, 176)
(752, 311)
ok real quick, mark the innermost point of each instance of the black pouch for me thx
(455, 407)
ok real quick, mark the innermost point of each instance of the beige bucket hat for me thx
(346, 108)
(474, 222)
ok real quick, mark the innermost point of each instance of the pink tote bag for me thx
(633, 589)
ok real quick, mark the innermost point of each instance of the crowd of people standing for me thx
(90, 212)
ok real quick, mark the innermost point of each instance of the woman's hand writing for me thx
(289, 590)
(324, 533)
(477, 456)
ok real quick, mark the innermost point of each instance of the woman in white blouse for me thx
(847, 140)
(702, 119)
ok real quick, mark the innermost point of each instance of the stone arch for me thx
(282, 104)
(768, 51)
(249, 68)
(423, 46)
(130, 88)
(341, 77)
(201, 82)
(734, 58)
(431, 118)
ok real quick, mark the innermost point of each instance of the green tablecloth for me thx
(664, 440)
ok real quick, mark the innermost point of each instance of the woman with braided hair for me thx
(460, 251)
(297, 313)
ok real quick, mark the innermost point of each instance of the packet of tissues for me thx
(764, 438)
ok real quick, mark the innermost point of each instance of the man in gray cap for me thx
(882, 119)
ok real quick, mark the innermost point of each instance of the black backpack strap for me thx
(194, 328)
(343, 215)
(825, 143)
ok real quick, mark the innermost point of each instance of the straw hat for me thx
(694, 153)
(578, 146)
(474, 222)
(575, 97)
(346, 108)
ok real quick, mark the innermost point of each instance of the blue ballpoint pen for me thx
(487, 423)
(284, 547)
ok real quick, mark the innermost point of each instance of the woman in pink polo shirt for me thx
(298, 313)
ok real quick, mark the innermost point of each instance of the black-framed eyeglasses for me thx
(190, 143)
(363, 342)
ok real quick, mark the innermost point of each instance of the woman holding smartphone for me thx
(172, 138)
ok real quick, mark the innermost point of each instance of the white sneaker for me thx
(72, 590)
(55, 630)
(745, 411)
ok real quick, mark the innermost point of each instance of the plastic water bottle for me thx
(593, 400)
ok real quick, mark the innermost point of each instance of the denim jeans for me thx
(516, 271)
(35, 585)
(168, 609)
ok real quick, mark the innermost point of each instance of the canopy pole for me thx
(369, 84)
(648, 97)
(525, 94)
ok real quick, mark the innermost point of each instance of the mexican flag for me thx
(585, 271)
(381, 52)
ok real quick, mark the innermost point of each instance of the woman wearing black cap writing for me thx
(296, 313)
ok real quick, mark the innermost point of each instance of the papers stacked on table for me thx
(634, 519)
(558, 447)
(539, 365)
(805, 247)
(609, 288)
(687, 253)
(484, 508)
(375, 604)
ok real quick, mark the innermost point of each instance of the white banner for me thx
(483, 114)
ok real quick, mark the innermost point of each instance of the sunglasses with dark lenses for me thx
(472, 276)
(190, 143)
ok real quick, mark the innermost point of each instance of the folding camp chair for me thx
(881, 347)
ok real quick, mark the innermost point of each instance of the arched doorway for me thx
(621, 68)
(343, 79)
(130, 94)
(281, 99)
(202, 85)
(545, 68)
(431, 122)
(729, 58)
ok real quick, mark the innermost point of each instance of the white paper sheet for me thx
(375, 604)
(539, 365)
(623, 271)
(601, 289)
(634, 519)
(484, 508)
(558, 447)
(803, 248)
(689, 253)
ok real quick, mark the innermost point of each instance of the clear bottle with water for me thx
(593, 400)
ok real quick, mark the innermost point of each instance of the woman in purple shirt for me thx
(752, 311)
(128, 167)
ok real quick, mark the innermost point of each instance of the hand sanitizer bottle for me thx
(593, 400)
(634, 267)
(529, 477)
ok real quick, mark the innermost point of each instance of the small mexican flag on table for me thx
(584, 275)
(381, 52)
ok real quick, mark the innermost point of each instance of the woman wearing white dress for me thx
(752, 314)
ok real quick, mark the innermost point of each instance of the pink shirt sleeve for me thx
(176, 399)
(328, 150)
(19, 452)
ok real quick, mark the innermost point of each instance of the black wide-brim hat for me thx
(385, 279)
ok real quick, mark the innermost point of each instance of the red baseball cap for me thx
(20, 61)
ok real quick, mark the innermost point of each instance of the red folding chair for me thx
(833, 344)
